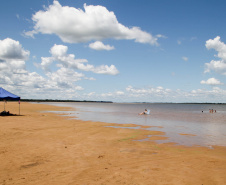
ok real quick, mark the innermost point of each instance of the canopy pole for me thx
(4, 104)
(19, 107)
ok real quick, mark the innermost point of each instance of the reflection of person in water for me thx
(145, 112)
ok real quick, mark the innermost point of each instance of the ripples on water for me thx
(176, 119)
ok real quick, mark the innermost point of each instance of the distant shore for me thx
(51, 100)
(93, 101)
(40, 147)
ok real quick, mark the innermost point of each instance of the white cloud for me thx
(91, 78)
(59, 50)
(12, 50)
(100, 46)
(113, 95)
(158, 91)
(46, 62)
(211, 81)
(218, 66)
(160, 94)
(31, 80)
(65, 77)
(107, 94)
(94, 23)
(14, 75)
(13, 67)
(161, 36)
(12, 62)
(120, 93)
(185, 58)
(59, 54)
(214, 95)
(104, 69)
(219, 46)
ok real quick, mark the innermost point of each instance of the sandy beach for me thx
(39, 147)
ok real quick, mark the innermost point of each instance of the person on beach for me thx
(145, 112)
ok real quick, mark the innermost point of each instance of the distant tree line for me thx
(50, 100)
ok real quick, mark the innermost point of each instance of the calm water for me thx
(176, 119)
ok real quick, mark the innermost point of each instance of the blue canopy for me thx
(5, 95)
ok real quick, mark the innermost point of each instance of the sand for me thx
(45, 148)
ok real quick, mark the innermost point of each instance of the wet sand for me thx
(44, 148)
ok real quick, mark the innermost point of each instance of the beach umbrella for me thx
(6, 95)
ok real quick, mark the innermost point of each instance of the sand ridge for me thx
(44, 148)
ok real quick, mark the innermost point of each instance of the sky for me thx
(114, 50)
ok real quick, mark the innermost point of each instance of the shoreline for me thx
(45, 148)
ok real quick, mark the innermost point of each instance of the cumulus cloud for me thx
(98, 45)
(13, 65)
(46, 62)
(211, 81)
(219, 46)
(12, 61)
(218, 66)
(14, 75)
(59, 50)
(12, 50)
(59, 54)
(94, 23)
(65, 78)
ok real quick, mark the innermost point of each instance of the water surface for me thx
(175, 119)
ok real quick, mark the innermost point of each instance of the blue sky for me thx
(119, 50)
